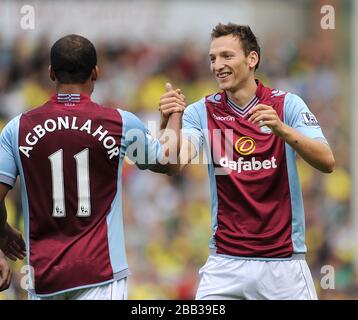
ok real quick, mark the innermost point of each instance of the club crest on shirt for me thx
(309, 119)
(215, 98)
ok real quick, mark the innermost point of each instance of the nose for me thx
(217, 65)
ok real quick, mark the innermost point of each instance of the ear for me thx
(253, 59)
(51, 73)
(94, 74)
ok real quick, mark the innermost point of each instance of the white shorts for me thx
(116, 290)
(224, 278)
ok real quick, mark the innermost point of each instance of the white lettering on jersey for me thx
(253, 165)
(51, 125)
(87, 126)
(26, 150)
(221, 118)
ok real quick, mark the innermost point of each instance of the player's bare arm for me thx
(3, 215)
(172, 105)
(173, 122)
(172, 102)
(317, 153)
(11, 240)
(186, 154)
(5, 273)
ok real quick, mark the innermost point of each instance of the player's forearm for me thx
(3, 214)
(317, 153)
(187, 153)
(163, 122)
(174, 142)
(170, 139)
(3, 217)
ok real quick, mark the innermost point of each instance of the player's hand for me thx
(171, 101)
(12, 243)
(264, 115)
(5, 273)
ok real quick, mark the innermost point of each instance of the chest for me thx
(235, 136)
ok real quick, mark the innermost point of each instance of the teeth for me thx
(223, 75)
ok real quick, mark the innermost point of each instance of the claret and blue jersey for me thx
(257, 208)
(68, 154)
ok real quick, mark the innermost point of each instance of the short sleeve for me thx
(138, 143)
(192, 125)
(8, 149)
(298, 116)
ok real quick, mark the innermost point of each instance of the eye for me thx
(212, 59)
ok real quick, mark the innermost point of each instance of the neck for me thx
(74, 88)
(242, 95)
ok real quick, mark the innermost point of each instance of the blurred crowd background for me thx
(167, 219)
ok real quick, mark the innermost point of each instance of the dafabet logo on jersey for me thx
(245, 146)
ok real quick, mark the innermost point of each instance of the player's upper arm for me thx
(8, 149)
(192, 132)
(4, 188)
(298, 116)
(139, 145)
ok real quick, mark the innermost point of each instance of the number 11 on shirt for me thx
(83, 184)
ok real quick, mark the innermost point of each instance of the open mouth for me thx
(223, 75)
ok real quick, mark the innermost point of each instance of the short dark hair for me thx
(244, 33)
(73, 58)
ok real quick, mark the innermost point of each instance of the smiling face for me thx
(229, 64)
